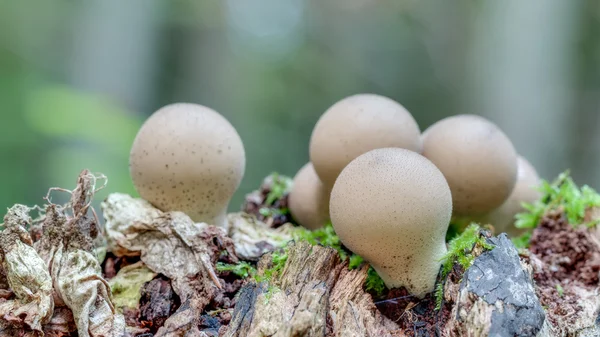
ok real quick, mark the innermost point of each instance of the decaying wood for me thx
(496, 296)
(552, 291)
(315, 295)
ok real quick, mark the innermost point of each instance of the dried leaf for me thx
(61, 324)
(171, 244)
(27, 276)
(67, 247)
(253, 238)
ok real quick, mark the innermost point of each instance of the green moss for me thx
(272, 212)
(280, 186)
(374, 283)
(560, 290)
(460, 250)
(355, 261)
(278, 260)
(324, 236)
(560, 195)
(242, 269)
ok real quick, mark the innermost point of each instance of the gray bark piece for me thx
(498, 278)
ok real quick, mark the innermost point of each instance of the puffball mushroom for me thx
(358, 124)
(477, 159)
(392, 206)
(503, 217)
(187, 157)
(309, 199)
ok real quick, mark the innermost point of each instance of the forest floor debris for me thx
(153, 273)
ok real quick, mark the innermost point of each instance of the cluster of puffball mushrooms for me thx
(389, 191)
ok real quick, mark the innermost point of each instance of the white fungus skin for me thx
(309, 199)
(503, 217)
(392, 207)
(477, 159)
(358, 124)
(187, 157)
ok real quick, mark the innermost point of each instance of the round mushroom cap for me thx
(392, 206)
(477, 159)
(358, 124)
(187, 157)
(309, 199)
(503, 217)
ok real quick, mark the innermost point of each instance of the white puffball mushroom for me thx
(392, 206)
(477, 159)
(503, 217)
(187, 157)
(309, 199)
(358, 124)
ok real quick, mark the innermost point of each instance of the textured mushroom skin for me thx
(358, 124)
(309, 199)
(189, 158)
(392, 206)
(503, 217)
(477, 159)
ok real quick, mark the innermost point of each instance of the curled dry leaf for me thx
(170, 243)
(27, 276)
(67, 247)
(253, 238)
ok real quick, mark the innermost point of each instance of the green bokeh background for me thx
(77, 79)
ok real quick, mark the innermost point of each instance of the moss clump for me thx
(242, 269)
(325, 237)
(280, 186)
(460, 251)
(560, 195)
(278, 260)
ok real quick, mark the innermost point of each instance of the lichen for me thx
(560, 195)
(126, 285)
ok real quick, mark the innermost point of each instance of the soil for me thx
(158, 301)
(417, 317)
(570, 259)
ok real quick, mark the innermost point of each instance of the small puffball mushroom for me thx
(477, 159)
(309, 199)
(503, 217)
(392, 206)
(188, 158)
(358, 124)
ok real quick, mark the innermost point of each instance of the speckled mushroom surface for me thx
(355, 125)
(477, 159)
(525, 190)
(309, 199)
(187, 157)
(392, 207)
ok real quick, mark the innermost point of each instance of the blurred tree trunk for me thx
(585, 153)
(520, 73)
(114, 50)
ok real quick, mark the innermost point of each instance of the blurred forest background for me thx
(77, 79)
